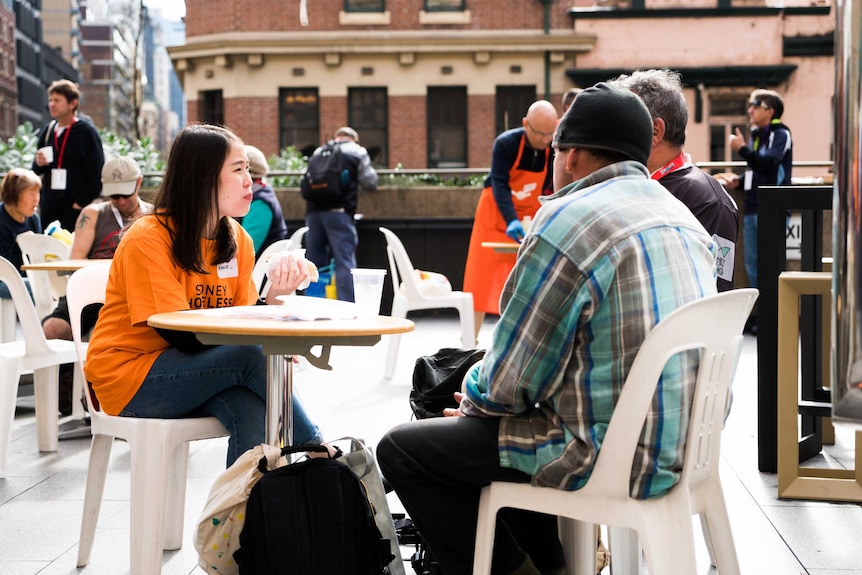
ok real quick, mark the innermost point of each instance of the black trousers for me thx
(438, 467)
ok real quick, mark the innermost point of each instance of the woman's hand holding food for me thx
(287, 272)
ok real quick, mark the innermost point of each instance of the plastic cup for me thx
(48, 152)
(367, 291)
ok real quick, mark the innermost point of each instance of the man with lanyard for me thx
(520, 172)
(70, 174)
(769, 155)
(661, 91)
(97, 235)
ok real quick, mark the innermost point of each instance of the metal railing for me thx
(483, 171)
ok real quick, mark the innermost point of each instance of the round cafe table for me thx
(281, 338)
(62, 265)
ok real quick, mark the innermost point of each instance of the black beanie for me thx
(606, 117)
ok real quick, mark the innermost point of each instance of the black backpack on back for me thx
(310, 518)
(328, 176)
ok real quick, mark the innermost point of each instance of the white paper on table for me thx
(310, 308)
(294, 307)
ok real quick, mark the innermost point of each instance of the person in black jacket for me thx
(769, 155)
(71, 167)
(661, 91)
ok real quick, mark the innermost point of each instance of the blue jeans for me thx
(6, 294)
(227, 382)
(749, 238)
(438, 467)
(333, 234)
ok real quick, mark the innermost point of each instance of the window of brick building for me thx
(727, 112)
(510, 107)
(212, 111)
(364, 5)
(447, 127)
(299, 113)
(444, 5)
(368, 114)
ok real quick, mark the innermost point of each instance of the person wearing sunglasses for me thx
(521, 171)
(769, 155)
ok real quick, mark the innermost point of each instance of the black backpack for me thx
(437, 377)
(327, 178)
(310, 518)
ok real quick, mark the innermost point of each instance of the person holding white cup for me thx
(69, 158)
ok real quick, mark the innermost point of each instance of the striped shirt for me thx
(606, 259)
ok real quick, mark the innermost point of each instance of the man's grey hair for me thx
(661, 91)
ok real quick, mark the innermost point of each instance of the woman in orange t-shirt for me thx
(190, 254)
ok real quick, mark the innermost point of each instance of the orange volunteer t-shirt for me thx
(145, 280)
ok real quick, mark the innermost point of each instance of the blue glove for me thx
(515, 231)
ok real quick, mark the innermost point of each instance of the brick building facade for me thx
(430, 83)
(8, 84)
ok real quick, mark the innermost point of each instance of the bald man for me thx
(521, 171)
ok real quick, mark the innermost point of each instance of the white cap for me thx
(120, 176)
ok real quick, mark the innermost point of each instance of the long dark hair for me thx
(188, 195)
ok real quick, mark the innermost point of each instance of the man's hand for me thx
(455, 411)
(736, 140)
(41, 159)
(727, 179)
(515, 231)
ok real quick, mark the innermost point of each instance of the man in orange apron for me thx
(520, 173)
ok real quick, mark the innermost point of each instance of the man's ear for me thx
(571, 159)
(658, 130)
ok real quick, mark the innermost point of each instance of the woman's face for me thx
(28, 201)
(234, 187)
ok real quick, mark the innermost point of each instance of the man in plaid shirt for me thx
(606, 259)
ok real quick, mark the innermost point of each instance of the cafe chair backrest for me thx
(38, 355)
(46, 286)
(713, 325)
(407, 297)
(31, 325)
(86, 286)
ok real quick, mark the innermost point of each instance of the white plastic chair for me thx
(46, 286)
(407, 297)
(258, 274)
(37, 354)
(8, 396)
(713, 325)
(159, 452)
(8, 320)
